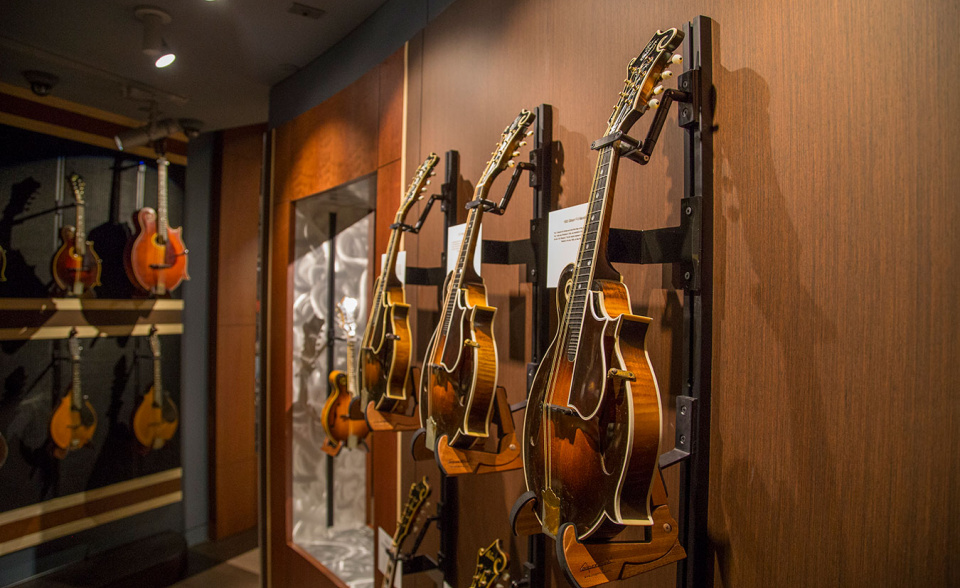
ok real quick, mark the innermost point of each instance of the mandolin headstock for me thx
(419, 492)
(78, 186)
(644, 74)
(418, 185)
(347, 315)
(491, 567)
(510, 142)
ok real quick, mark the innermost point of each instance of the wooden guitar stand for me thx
(591, 564)
(404, 418)
(456, 462)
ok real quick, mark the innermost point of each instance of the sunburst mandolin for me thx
(156, 258)
(76, 266)
(385, 347)
(459, 376)
(591, 434)
(156, 419)
(74, 421)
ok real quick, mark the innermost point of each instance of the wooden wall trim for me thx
(34, 524)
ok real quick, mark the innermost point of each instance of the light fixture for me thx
(154, 44)
(166, 55)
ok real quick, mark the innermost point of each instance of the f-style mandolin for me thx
(156, 259)
(76, 267)
(591, 433)
(412, 514)
(74, 422)
(342, 419)
(491, 568)
(459, 375)
(385, 348)
(156, 419)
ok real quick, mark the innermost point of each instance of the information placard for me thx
(401, 269)
(454, 239)
(565, 230)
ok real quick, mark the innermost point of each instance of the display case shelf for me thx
(56, 318)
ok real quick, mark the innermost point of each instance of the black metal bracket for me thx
(434, 276)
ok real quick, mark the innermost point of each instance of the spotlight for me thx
(166, 56)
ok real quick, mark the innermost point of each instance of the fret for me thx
(80, 240)
(77, 398)
(157, 384)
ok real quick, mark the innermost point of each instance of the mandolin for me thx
(156, 419)
(491, 568)
(74, 421)
(592, 427)
(76, 267)
(156, 259)
(458, 380)
(385, 347)
(342, 419)
(412, 513)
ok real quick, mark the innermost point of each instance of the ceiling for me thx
(229, 52)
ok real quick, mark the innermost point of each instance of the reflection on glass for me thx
(333, 233)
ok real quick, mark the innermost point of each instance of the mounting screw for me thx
(683, 439)
(688, 211)
(667, 527)
(686, 275)
(685, 84)
(533, 272)
(683, 411)
(684, 113)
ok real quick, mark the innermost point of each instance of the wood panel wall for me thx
(356, 132)
(835, 408)
(234, 464)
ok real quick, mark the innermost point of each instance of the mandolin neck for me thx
(162, 222)
(157, 382)
(76, 400)
(592, 244)
(351, 376)
(468, 248)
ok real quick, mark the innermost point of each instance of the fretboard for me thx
(80, 239)
(587, 258)
(157, 383)
(77, 398)
(162, 225)
(464, 258)
(351, 350)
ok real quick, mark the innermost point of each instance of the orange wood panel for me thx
(354, 133)
(233, 404)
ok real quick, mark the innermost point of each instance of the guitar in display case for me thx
(341, 417)
(385, 349)
(458, 382)
(74, 421)
(412, 515)
(156, 258)
(591, 437)
(156, 419)
(76, 266)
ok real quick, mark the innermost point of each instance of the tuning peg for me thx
(658, 90)
(433, 173)
(428, 182)
(530, 132)
(424, 189)
(522, 143)
(515, 153)
(654, 103)
(677, 59)
(511, 163)
(666, 75)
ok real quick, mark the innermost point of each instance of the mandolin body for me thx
(385, 357)
(73, 273)
(338, 423)
(154, 425)
(459, 376)
(70, 428)
(151, 265)
(591, 438)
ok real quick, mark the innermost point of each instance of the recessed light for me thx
(165, 60)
